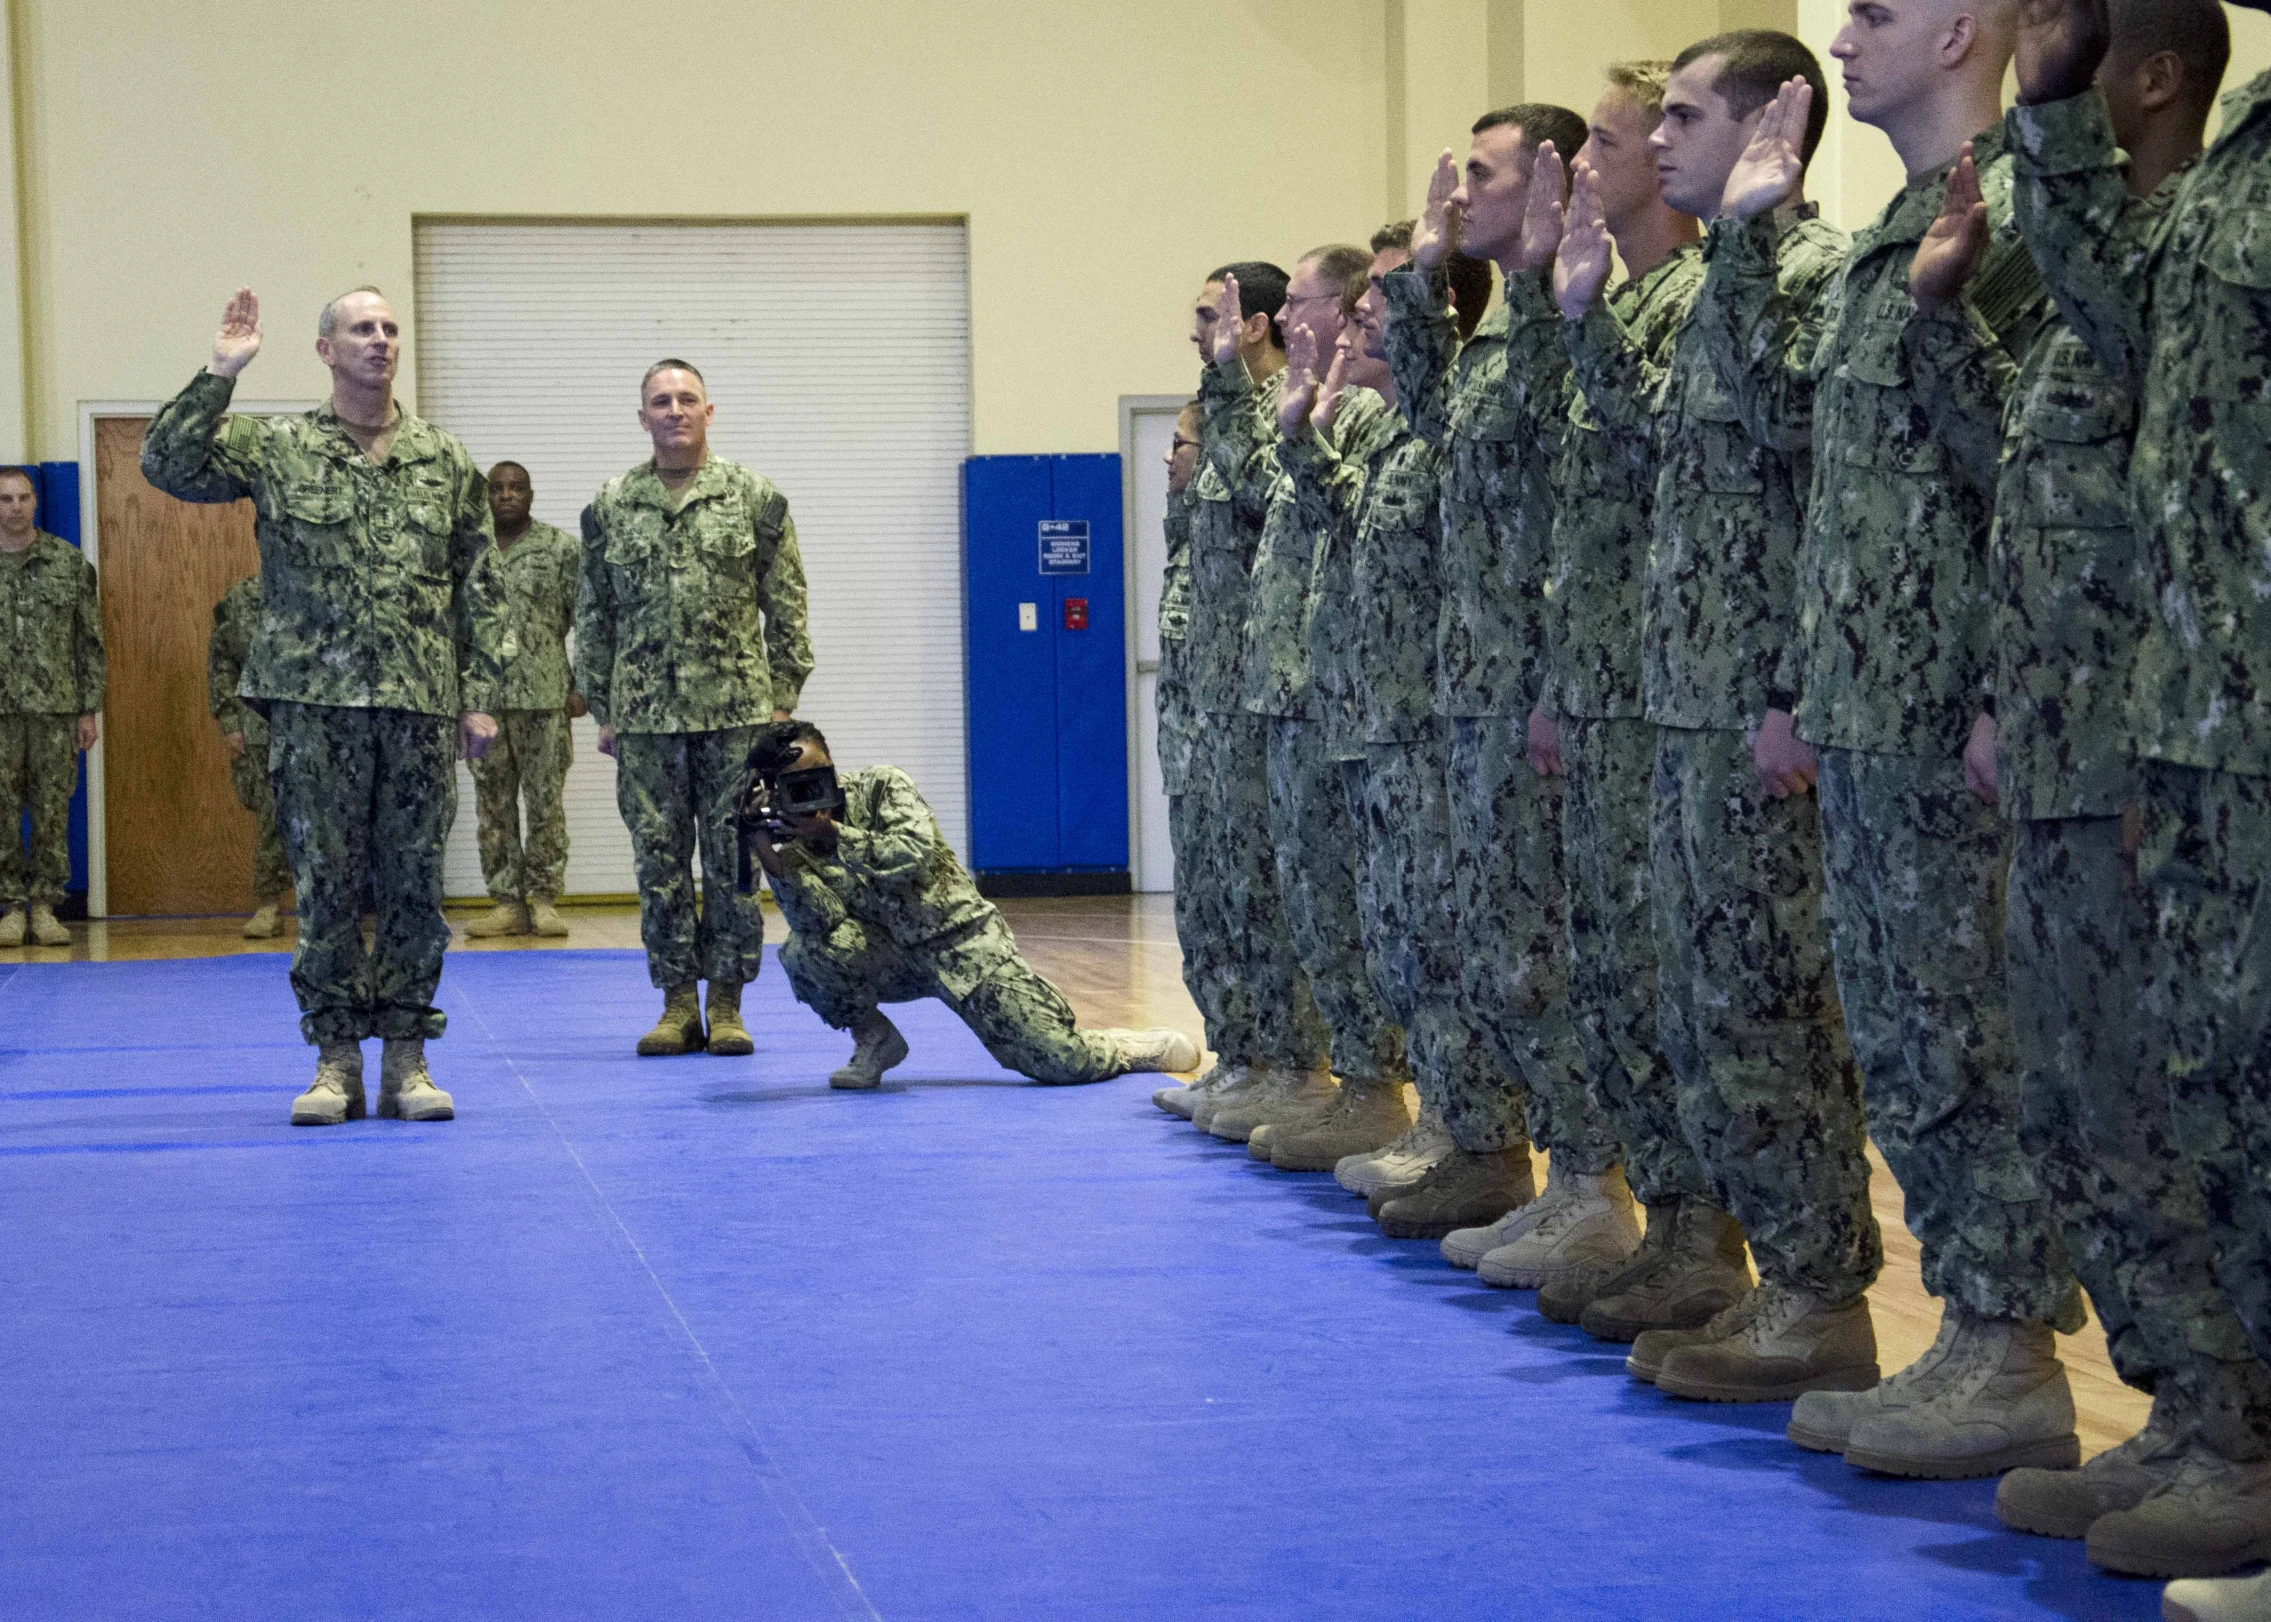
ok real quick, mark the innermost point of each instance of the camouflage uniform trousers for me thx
(1916, 865)
(531, 756)
(675, 790)
(2206, 869)
(1210, 969)
(1610, 765)
(1316, 846)
(1747, 1013)
(248, 775)
(362, 795)
(1023, 1020)
(1405, 883)
(39, 768)
(1506, 845)
(1241, 893)
(2096, 1116)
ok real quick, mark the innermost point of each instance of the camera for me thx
(767, 799)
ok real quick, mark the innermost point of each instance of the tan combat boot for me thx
(1563, 1300)
(1144, 1053)
(544, 918)
(264, 924)
(1466, 1247)
(2064, 1503)
(2213, 1517)
(1794, 1342)
(680, 1028)
(1402, 1164)
(2218, 1599)
(406, 1091)
(1704, 1272)
(876, 1047)
(1367, 1115)
(1257, 1081)
(45, 929)
(1998, 1401)
(1183, 1101)
(1287, 1096)
(1593, 1230)
(1464, 1190)
(729, 1038)
(336, 1094)
(505, 918)
(12, 926)
(1305, 1112)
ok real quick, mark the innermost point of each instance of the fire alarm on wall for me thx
(1076, 613)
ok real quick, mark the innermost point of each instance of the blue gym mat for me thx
(698, 1339)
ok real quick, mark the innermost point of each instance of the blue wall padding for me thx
(1048, 740)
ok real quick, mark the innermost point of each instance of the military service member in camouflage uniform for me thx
(1492, 405)
(375, 636)
(1747, 1012)
(244, 733)
(2063, 566)
(1890, 668)
(1374, 604)
(690, 635)
(1237, 869)
(1313, 839)
(2186, 322)
(51, 692)
(535, 569)
(1210, 966)
(879, 911)
(1584, 1228)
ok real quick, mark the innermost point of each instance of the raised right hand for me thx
(1437, 233)
(1297, 394)
(1581, 268)
(239, 338)
(1768, 173)
(234, 743)
(2061, 43)
(1331, 391)
(1229, 323)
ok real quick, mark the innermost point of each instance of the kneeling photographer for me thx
(880, 911)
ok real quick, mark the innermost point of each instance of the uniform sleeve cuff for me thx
(2066, 137)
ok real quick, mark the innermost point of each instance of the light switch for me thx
(1028, 616)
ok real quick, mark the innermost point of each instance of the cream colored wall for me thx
(1105, 155)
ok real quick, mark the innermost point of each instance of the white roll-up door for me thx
(838, 358)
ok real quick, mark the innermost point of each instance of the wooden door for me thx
(177, 841)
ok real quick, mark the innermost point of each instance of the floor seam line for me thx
(802, 1526)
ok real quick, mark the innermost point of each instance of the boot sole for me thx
(1853, 1379)
(1624, 1331)
(650, 1048)
(1816, 1441)
(388, 1111)
(732, 1047)
(1169, 1104)
(2107, 1555)
(1537, 1278)
(2059, 1453)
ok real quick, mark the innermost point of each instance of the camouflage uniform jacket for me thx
(366, 568)
(2062, 563)
(1231, 491)
(536, 580)
(235, 617)
(53, 615)
(2188, 323)
(1495, 406)
(1894, 652)
(1172, 692)
(893, 874)
(1719, 606)
(1313, 667)
(690, 619)
(1603, 514)
(1330, 475)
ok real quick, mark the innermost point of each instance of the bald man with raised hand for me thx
(2187, 322)
(1892, 668)
(376, 659)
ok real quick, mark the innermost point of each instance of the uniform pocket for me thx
(318, 514)
(1732, 464)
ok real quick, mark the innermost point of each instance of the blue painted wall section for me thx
(1048, 740)
(57, 485)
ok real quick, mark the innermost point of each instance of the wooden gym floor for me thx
(1116, 958)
